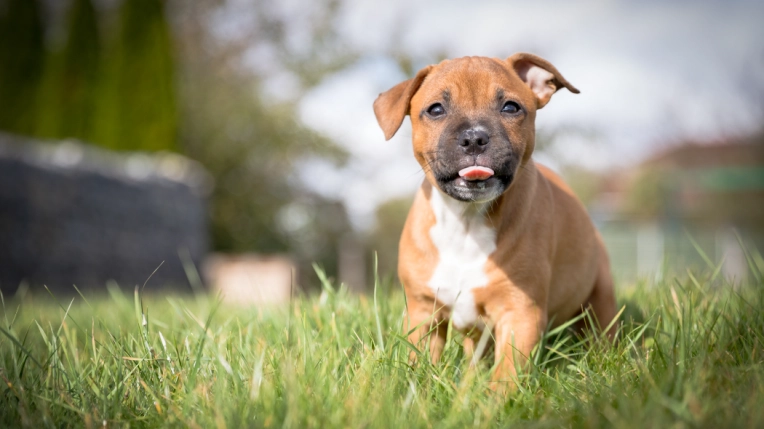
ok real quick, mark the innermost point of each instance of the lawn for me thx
(690, 354)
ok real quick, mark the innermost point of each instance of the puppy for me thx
(493, 240)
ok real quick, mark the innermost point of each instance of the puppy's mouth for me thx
(475, 173)
(474, 184)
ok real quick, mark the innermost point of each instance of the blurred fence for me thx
(652, 250)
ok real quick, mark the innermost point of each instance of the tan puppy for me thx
(492, 239)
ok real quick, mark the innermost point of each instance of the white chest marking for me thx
(464, 242)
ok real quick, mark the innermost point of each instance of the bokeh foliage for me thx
(22, 53)
(68, 95)
(138, 103)
(156, 75)
(113, 86)
(251, 141)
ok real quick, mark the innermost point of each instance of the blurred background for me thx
(232, 143)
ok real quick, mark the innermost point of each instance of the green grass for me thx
(690, 355)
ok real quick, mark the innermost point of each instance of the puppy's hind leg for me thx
(602, 299)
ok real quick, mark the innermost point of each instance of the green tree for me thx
(253, 145)
(68, 93)
(137, 107)
(251, 149)
(21, 60)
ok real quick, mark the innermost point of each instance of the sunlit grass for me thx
(690, 354)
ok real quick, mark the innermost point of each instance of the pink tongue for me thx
(476, 173)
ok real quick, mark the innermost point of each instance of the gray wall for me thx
(74, 214)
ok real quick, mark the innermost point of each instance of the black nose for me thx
(473, 141)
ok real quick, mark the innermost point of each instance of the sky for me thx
(651, 73)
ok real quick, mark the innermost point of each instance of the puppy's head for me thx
(472, 119)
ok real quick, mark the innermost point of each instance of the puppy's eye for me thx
(436, 110)
(510, 107)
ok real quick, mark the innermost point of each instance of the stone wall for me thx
(74, 214)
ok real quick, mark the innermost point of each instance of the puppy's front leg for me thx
(517, 332)
(423, 322)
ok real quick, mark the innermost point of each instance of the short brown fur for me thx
(549, 262)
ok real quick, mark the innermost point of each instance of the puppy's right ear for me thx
(393, 105)
(540, 76)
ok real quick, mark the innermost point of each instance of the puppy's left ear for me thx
(393, 105)
(540, 75)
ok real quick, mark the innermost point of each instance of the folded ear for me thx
(540, 75)
(393, 105)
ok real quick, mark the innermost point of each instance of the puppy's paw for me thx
(504, 387)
